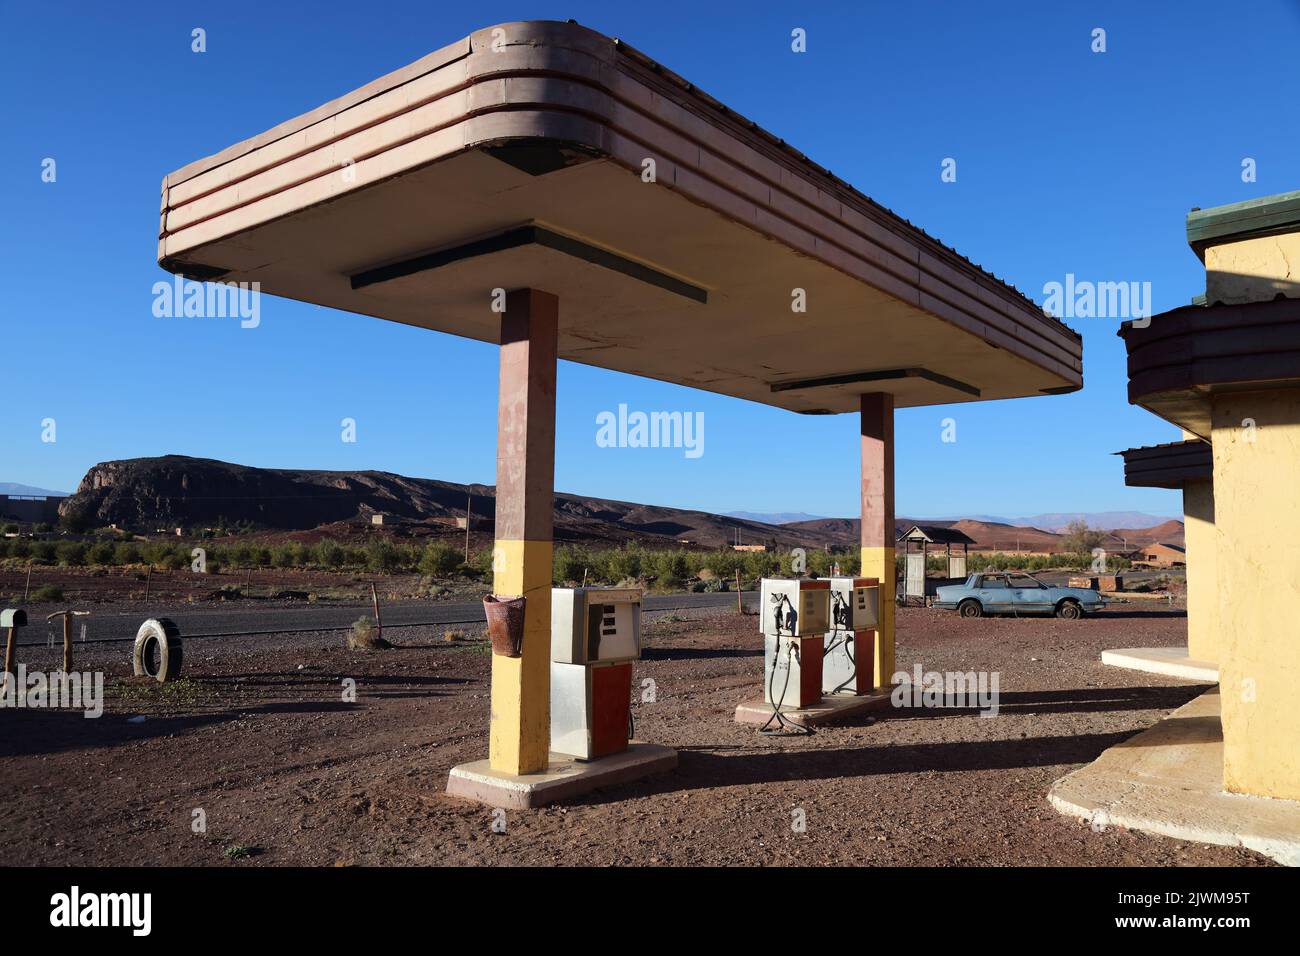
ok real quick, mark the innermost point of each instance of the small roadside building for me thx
(1162, 554)
(31, 509)
(916, 543)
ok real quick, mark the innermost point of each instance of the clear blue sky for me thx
(1068, 161)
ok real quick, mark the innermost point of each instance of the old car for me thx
(1013, 593)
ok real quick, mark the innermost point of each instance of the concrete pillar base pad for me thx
(565, 778)
(827, 711)
(1169, 781)
(1170, 661)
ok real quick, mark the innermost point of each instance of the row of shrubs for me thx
(572, 563)
(672, 568)
(437, 558)
(999, 561)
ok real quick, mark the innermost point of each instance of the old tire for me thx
(970, 608)
(1069, 610)
(158, 652)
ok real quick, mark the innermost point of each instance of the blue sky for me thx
(1069, 161)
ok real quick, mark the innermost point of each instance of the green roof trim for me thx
(1266, 216)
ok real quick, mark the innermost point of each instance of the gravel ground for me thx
(257, 736)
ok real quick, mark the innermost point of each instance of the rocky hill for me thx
(177, 491)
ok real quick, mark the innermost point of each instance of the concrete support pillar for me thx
(521, 687)
(877, 415)
(1202, 572)
(1256, 447)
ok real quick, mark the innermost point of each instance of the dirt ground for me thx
(258, 737)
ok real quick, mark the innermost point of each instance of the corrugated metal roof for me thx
(912, 231)
(938, 535)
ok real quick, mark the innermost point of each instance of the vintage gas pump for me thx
(595, 637)
(850, 638)
(794, 618)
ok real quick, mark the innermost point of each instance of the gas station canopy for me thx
(517, 158)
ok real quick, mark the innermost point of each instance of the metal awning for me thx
(1170, 465)
(521, 155)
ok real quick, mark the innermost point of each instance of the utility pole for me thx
(379, 622)
(468, 514)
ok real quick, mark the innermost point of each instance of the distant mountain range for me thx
(1055, 521)
(1104, 520)
(776, 517)
(12, 488)
(999, 536)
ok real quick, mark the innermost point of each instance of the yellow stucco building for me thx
(1226, 370)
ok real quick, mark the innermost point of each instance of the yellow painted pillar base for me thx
(520, 737)
(879, 563)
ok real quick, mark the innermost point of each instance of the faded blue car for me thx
(1011, 593)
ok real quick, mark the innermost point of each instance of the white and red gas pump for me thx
(595, 637)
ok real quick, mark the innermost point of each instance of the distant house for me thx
(32, 509)
(1161, 555)
(377, 518)
(749, 547)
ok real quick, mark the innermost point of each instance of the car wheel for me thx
(970, 608)
(1069, 610)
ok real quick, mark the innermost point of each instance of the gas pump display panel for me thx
(854, 604)
(794, 608)
(595, 625)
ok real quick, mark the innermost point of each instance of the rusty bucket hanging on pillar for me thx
(505, 618)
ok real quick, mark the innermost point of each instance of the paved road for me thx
(198, 621)
(248, 617)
